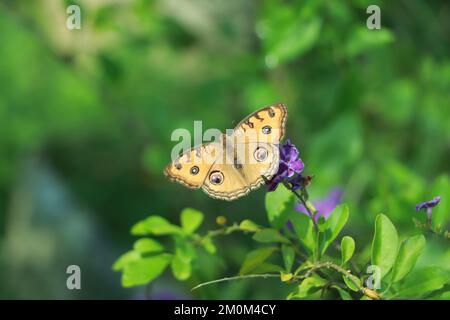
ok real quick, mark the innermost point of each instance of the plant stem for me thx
(220, 232)
(336, 267)
(224, 231)
(310, 271)
(428, 228)
(311, 215)
(248, 276)
(299, 196)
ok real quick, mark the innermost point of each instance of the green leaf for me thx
(279, 204)
(336, 221)
(384, 244)
(443, 296)
(209, 245)
(288, 256)
(347, 248)
(322, 224)
(155, 225)
(422, 281)
(256, 257)
(191, 219)
(351, 283)
(304, 229)
(147, 245)
(248, 225)
(184, 249)
(269, 235)
(145, 270)
(344, 294)
(308, 286)
(285, 277)
(181, 268)
(409, 252)
(126, 258)
(304, 266)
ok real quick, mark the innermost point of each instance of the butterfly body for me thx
(237, 163)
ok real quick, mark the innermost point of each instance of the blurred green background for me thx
(86, 117)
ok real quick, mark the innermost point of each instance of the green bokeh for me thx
(86, 118)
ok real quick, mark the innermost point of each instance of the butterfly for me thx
(238, 162)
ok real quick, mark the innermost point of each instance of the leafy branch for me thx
(309, 271)
(428, 228)
(302, 242)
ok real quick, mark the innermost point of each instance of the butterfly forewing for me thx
(265, 125)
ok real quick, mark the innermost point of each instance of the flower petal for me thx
(297, 165)
(288, 166)
(428, 204)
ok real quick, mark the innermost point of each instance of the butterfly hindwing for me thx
(236, 178)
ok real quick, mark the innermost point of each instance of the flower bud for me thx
(371, 294)
(221, 220)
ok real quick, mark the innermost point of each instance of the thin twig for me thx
(338, 269)
(428, 228)
(311, 270)
(311, 215)
(248, 276)
(220, 232)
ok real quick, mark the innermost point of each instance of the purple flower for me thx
(428, 206)
(289, 165)
(324, 206)
(289, 155)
